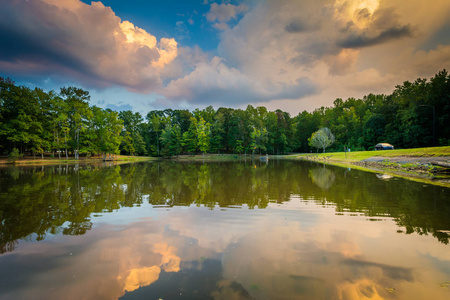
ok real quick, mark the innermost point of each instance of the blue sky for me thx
(293, 55)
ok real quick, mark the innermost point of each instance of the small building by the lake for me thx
(384, 146)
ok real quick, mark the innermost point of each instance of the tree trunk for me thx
(65, 144)
(157, 143)
(57, 142)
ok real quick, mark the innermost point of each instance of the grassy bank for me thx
(407, 163)
(91, 160)
(30, 160)
(357, 156)
(211, 157)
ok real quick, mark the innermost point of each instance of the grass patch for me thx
(409, 165)
(135, 158)
(388, 163)
(362, 155)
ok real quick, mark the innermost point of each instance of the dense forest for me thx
(416, 114)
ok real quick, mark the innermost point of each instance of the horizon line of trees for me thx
(416, 114)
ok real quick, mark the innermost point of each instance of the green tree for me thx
(190, 137)
(217, 133)
(114, 127)
(156, 123)
(322, 138)
(131, 123)
(78, 113)
(258, 140)
(271, 127)
(171, 140)
(14, 155)
(203, 135)
(127, 143)
(305, 124)
(239, 148)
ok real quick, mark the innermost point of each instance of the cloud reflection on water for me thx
(296, 249)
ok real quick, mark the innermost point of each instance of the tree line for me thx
(416, 114)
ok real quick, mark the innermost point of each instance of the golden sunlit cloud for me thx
(363, 289)
(141, 277)
(137, 35)
(359, 12)
(167, 49)
(170, 262)
(144, 276)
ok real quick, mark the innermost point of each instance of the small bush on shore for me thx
(14, 155)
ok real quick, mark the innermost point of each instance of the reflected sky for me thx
(320, 243)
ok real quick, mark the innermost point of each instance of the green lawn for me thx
(361, 155)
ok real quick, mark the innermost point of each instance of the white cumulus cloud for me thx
(88, 42)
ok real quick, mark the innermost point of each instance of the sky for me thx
(293, 55)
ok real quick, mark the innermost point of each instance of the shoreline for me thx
(30, 161)
(412, 164)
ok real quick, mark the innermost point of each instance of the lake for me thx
(229, 230)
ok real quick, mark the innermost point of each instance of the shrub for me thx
(14, 155)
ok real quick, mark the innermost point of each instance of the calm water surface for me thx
(282, 230)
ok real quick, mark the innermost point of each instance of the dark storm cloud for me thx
(19, 45)
(300, 25)
(315, 50)
(15, 41)
(384, 27)
(363, 40)
(366, 30)
(26, 37)
(296, 26)
(363, 14)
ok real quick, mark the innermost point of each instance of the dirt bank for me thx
(409, 159)
(410, 164)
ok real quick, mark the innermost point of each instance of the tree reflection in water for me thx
(35, 201)
(322, 177)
